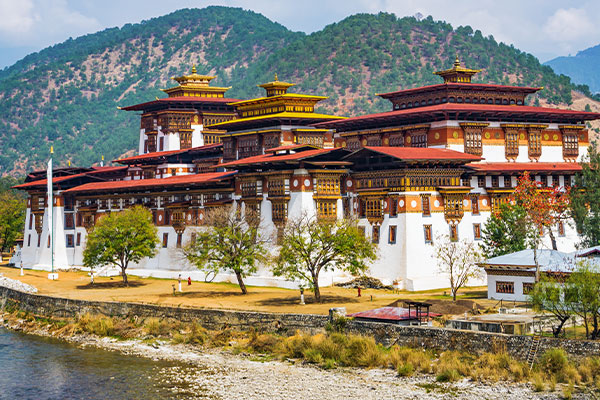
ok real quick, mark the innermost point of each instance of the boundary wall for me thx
(215, 319)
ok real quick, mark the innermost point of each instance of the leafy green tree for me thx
(121, 238)
(310, 246)
(549, 295)
(12, 218)
(583, 296)
(457, 259)
(231, 243)
(506, 231)
(585, 199)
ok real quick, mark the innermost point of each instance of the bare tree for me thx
(231, 243)
(457, 259)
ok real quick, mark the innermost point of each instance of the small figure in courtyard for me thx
(179, 281)
(189, 280)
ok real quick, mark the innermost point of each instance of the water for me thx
(38, 368)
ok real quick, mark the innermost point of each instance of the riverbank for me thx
(232, 370)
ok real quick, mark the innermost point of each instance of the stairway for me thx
(533, 349)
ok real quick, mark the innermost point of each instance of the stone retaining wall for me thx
(387, 334)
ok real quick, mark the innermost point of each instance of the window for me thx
(481, 181)
(165, 240)
(534, 144)
(505, 287)
(512, 143)
(78, 238)
(374, 208)
(69, 221)
(70, 240)
(392, 234)
(327, 209)
(561, 228)
(427, 233)
(477, 231)
(555, 181)
(393, 207)
(39, 240)
(495, 182)
(475, 205)
(527, 287)
(473, 141)
(179, 235)
(279, 214)
(425, 205)
(453, 232)
(29, 240)
(48, 241)
(161, 143)
(30, 221)
(375, 237)
(570, 145)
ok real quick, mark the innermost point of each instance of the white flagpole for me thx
(51, 212)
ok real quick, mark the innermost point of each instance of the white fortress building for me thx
(440, 162)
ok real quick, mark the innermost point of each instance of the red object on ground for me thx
(359, 291)
(189, 280)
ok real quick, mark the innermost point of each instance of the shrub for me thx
(264, 343)
(221, 338)
(313, 355)
(538, 383)
(448, 375)
(406, 369)
(363, 352)
(156, 327)
(419, 359)
(556, 364)
(329, 364)
(98, 325)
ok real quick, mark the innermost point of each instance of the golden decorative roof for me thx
(457, 74)
(275, 87)
(195, 85)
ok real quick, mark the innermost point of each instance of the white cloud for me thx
(17, 17)
(41, 22)
(570, 27)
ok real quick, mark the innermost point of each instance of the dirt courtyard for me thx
(76, 285)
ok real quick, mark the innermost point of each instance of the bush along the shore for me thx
(333, 349)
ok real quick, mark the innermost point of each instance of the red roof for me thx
(106, 169)
(158, 154)
(391, 314)
(468, 86)
(181, 99)
(421, 153)
(481, 109)
(289, 147)
(525, 166)
(151, 183)
(268, 158)
(44, 182)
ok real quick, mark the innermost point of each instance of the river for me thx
(39, 368)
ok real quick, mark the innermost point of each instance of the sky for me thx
(545, 28)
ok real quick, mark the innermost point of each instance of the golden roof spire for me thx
(276, 88)
(457, 74)
(193, 68)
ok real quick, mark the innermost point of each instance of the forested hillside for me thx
(67, 95)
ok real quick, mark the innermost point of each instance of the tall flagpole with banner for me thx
(52, 275)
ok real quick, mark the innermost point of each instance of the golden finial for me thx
(193, 68)
(69, 163)
(276, 79)
(102, 158)
(457, 62)
(51, 149)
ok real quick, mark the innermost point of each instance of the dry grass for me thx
(336, 349)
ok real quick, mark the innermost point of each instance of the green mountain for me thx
(67, 95)
(581, 68)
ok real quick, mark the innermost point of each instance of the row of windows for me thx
(509, 287)
(452, 99)
(427, 233)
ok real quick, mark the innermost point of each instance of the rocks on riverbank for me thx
(220, 374)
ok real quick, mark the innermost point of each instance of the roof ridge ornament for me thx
(457, 74)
